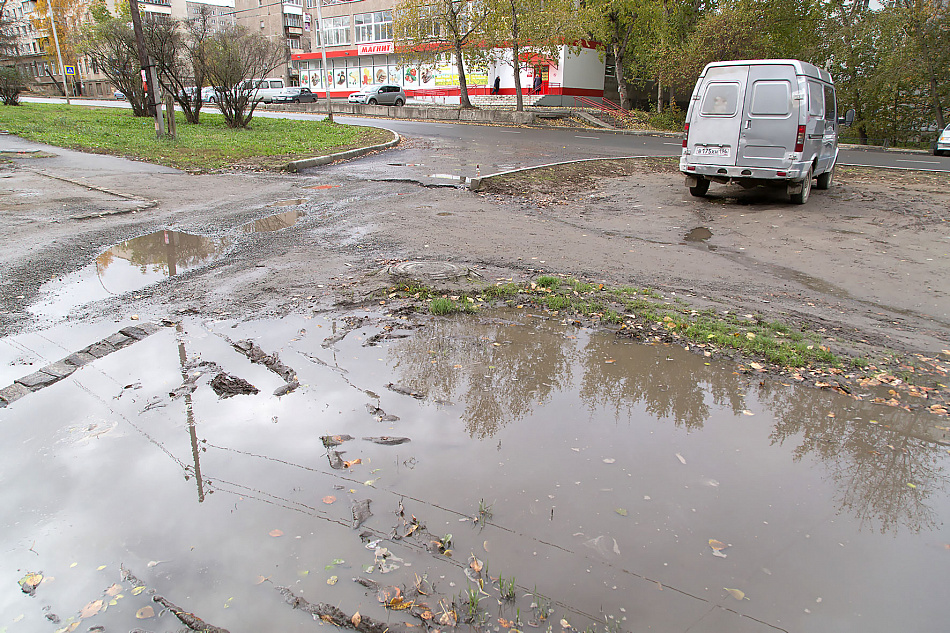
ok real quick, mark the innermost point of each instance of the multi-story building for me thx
(358, 35)
(280, 20)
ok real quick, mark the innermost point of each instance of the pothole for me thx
(273, 222)
(699, 234)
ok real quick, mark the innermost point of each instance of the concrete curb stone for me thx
(316, 161)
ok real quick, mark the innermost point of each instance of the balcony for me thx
(163, 3)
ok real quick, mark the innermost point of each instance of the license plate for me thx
(712, 151)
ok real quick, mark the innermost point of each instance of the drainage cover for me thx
(431, 270)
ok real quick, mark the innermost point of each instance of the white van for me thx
(753, 121)
(265, 89)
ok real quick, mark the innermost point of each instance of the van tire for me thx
(701, 187)
(824, 180)
(802, 196)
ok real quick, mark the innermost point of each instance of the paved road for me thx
(486, 149)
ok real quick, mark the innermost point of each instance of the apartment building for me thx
(358, 35)
(282, 21)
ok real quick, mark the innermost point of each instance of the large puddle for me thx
(634, 487)
(128, 266)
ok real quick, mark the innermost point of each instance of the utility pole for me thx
(59, 55)
(323, 53)
(148, 71)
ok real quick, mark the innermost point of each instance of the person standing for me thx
(497, 86)
(537, 81)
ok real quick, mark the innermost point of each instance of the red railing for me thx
(604, 106)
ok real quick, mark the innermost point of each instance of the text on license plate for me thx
(712, 151)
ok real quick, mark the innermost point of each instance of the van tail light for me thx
(800, 139)
(685, 134)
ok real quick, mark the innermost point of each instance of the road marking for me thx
(680, 143)
(897, 168)
(509, 132)
(925, 162)
(595, 137)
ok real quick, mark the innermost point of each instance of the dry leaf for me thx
(90, 609)
(609, 460)
(717, 545)
(114, 589)
(332, 580)
(475, 564)
(137, 590)
(565, 624)
(681, 458)
(352, 463)
(329, 499)
(747, 412)
(145, 613)
(735, 593)
(262, 579)
(356, 619)
(275, 533)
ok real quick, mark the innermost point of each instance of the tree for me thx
(527, 27)
(235, 57)
(179, 50)
(12, 83)
(426, 29)
(618, 26)
(110, 44)
(69, 17)
(924, 25)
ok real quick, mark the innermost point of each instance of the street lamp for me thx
(59, 55)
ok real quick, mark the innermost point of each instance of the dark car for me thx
(295, 95)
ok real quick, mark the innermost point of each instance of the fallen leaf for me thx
(90, 609)
(352, 463)
(505, 624)
(261, 580)
(747, 412)
(717, 545)
(609, 460)
(736, 593)
(30, 582)
(275, 533)
(565, 624)
(145, 613)
(475, 564)
(681, 458)
(332, 580)
(621, 511)
(114, 589)
(356, 619)
(329, 499)
(910, 485)
(137, 590)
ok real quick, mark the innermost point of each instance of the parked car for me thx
(209, 94)
(264, 89)
(942, 146)
(386, 94)
(295, 95)
(118, 94)
(760, 121)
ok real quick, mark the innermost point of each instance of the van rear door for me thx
(770, 116)
(717, 111)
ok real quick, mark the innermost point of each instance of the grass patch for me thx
(441, 306)
(266, 144)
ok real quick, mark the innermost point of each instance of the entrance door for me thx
(717, 111)
(770, 120)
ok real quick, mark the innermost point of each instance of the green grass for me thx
(441, 306)
(266, 144)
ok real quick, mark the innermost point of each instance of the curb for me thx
(306, 163)
(475, 183)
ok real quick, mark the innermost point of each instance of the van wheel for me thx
(802, 196)
(824, 180)
(372, 102)
(398, 103)
(701, 187)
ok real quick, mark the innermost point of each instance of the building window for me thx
(374, 27)
(293, 42)
(336, 31)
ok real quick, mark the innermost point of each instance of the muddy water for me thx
(606, 468)
(128, 266)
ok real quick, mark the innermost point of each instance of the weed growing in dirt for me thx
(470, 600)
(441, 306)
(484, 511)
(506, 587)
(551, 283)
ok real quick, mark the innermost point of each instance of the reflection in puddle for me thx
(274, 222)
(288, 203)
(128, 266)
(608, 467)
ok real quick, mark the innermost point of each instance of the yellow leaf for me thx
(565, 624)
(145, 612)
(356, 619)
(717, 545)
(735, 593)
(352, 463)
(275, 533)
(329, 499)
(475, 564)
(114, 589)
(137, 590)
(332, 580)
(100, 567)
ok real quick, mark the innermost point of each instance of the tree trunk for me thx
(463, 85)
(623, 88)
(659, 96)
(516, 62)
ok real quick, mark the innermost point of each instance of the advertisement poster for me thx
(340, 78)
(315, 81)
(353, 78)
(305, 79)
(446, 76)
(426, 76)
(410, 75)
(367, 76)
(394, 76)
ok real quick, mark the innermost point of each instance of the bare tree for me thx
(179, 49)
(110, 45)
(235, 57)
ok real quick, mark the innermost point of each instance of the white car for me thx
(942, 146)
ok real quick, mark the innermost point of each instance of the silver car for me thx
(386, 94)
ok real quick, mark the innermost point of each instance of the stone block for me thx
(13, 392)
(60, 369)
(99, 349)
(134, 332)
(118, 340)
(79, 359)
(37, 380)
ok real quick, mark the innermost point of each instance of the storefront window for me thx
(336, 31)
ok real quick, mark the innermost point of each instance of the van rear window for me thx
(722, 99)
(771, 98)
